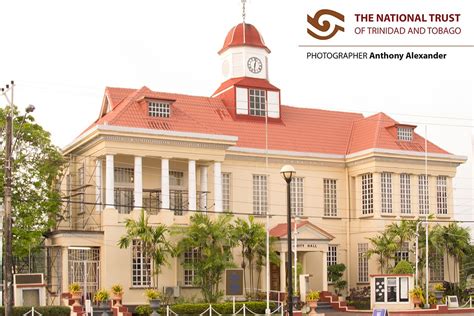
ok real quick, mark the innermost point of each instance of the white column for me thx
(203, 205)
(138, 183)
(217, 187)
(165, 183)
(282, 271)
(192, 184)
(98, 184)
(109, 181)
(325, 271)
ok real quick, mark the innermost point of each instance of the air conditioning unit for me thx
(171, 291)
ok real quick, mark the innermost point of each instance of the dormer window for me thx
(257, 100)
(158, 109)
(405, 133)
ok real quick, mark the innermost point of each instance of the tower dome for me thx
(243, 34)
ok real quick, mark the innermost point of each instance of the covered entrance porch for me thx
(311, 252)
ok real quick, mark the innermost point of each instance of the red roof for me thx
(243, 34)
(281, 230)
(298, 130)
(246, 82)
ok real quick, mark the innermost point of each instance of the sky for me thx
(62, 55)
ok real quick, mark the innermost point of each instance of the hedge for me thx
(222, 308)
(44, 310)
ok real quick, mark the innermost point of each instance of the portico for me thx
(312, 246)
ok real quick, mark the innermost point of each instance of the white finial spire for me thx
(243, 10)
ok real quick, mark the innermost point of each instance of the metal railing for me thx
(244, 310)
(152, 200)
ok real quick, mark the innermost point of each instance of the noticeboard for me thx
(234, 282)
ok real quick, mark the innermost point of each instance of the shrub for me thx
(117, 289)
(403, 267)
(101, 295)
(143, 310)
(152, 294)
(44, 310)
(74, 288)
(312, 295)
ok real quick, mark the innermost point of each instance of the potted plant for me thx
(154, 297)
(439, 292)
(101, 297)
(117, 294)
(76, 293)
(312, 299)
(417, 296)
(335, 273)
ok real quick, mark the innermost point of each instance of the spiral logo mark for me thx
(326, 25)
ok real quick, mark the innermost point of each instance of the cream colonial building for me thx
(172, 154)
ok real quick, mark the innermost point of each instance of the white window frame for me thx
(226, 190)
(176, 178)
(386, 192)
(257, 102)
(330, 197)
(442, 195)
(403, 254)
(367, 181)
(159, 109)
(297, 196)
(124, 195)
(405, 193)
(260, 194)
(331, 257)
(362, 263)
(190, 257)
(436, 264)
(141, 266)
(423, 194)
(405, 133)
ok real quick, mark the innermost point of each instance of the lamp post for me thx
(7, 233)
(287, 172)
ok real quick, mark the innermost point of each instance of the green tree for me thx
(403, 232)
(335, 273)
(37, 164)
(384, 246)
(215, 240)
(154, 242)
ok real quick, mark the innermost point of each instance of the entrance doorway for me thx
(84, 268)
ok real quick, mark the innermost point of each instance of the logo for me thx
(326, 26)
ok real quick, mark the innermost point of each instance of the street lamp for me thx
(287, 172)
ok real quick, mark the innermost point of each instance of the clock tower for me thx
(244, 53)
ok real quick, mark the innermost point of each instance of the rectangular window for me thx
(257, 100)
(191, 256)
(405, 133)
(331, 256)
(260, 198)
(363, 263)
(386, 188)
(423, 195)
(226, 178)
(141, 265)
(367, 194)
(296, 190)
(402, 254)
(442, 194)
(436, 263)
(330, 204)
(405, 200)
(176, 178)
(123, 175)
(158, 109)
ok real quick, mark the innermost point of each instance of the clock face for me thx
(254, 65)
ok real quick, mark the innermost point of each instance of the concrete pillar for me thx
(138, 183)
(325, 271)
(165, 183)
(192, 184)
(217, 187)
(109, 182)
(98, 184)
(282, 271)
(203, 204)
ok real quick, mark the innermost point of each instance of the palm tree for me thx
(384, 246)
(214, 239)
(403, 232)
(153, 242)
(252, 238)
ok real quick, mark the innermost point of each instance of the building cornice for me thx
(414, 154)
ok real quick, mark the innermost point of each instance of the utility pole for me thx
(7, 220)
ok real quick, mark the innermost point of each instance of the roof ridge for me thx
(349, 143)
(121, 111)
(377, 130)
